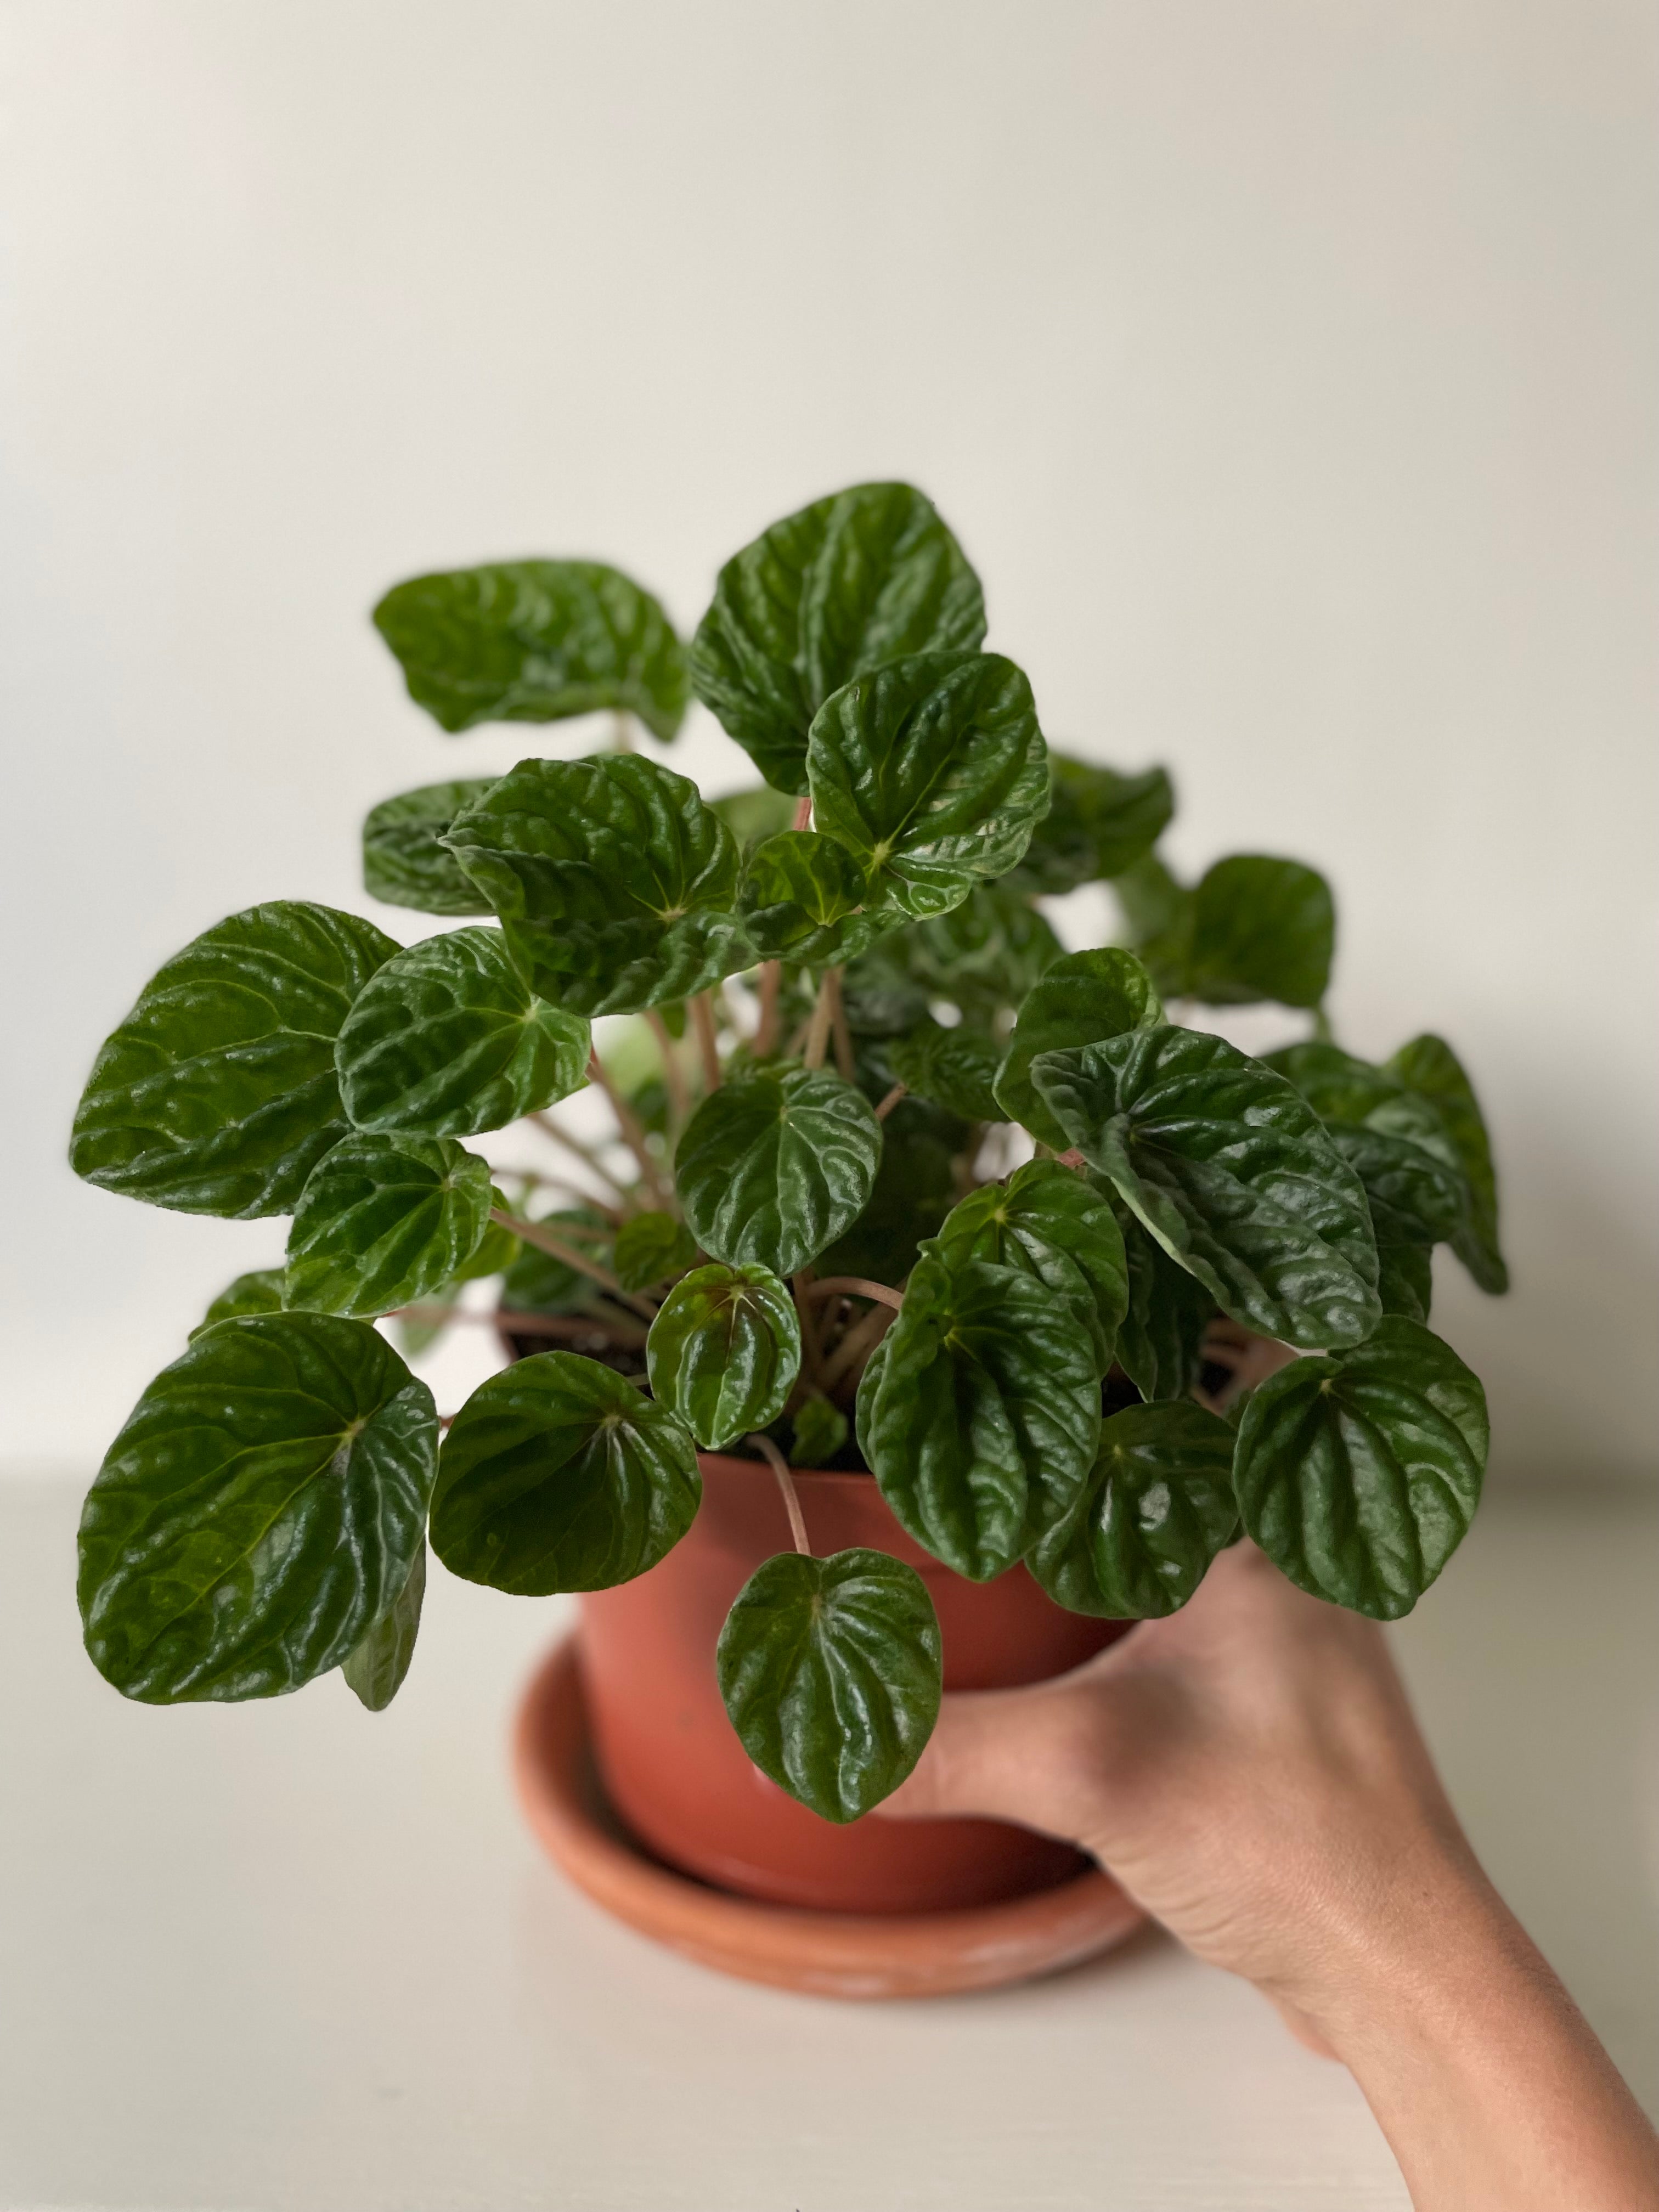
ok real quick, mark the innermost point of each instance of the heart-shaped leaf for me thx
(1431, 1070)
(932, 772)
(534, 641)
(1078, 1000)
(1098, 824)
(1232, 1172)
(404, 862)
(820, 1432)
(1161, 1337)
(260, 1291)
(832, 1671)
(955, 1068)
(774, 1167)
(860, 578)
(384, 1221)
(614, 883)
(449, 1040)
(1157, 1507)
(1047, 1222)
(261, 1508)
(650, 1248)
(218, 1094)
(913, 1190)
(1261, 928)
(724, 1352)
(982, 1417)
(557, 1474)
(803, 896)
(981, 956)
(1359, 1474)
(375, 1670)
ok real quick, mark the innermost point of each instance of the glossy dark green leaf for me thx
(260, 1291)
(1394, 1140)
(982, 956)
(1081, 998)
(1157, 1507)
(1160, 1339)
(755, 814)
(1359, 1474)
(983, 1415)
(1048, 1221)
(1429, 1067)
(650, 1248)
(1233, 1173)
(260, 1509)
(774, 1167)
(558, 1474)
(537, 1282)
(954, 1068)
(449, 1040)
(913, 1190)
(820, 1432)
(375, 1670)
(1157, 909)
(724, 1352)
(498, 1252)
(614, 883)
(880, 996)
(385, 1221)
(1099, 823)
(534, 641)
(831, 1672)
(1405, 1279)
(218, 1094)
(1261, 929)
(404, 862)
(932, 772)
(860, 578)
(803, 896)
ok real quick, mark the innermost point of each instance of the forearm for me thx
(1492, 2090)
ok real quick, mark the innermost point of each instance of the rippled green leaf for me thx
(832, 1671)
(1359, 1474)
(404, 862)
(1048, 1221)
(261, 1507)
(260, 1291)
(913, 1190)
(775, 1167)
(1261, 928)
(1405, 1279)
(1232, 1172)
(955, 1068)
(375, 1670)
(218, 1094)
(534, 641)
(1160, 1339)
(858, 579)
(1080, 999)
(1429, 1067)
(557, 1474)
(724, 1352)
(1157, 1507)
(649, 1249)
(982, 956)
(386, 1221)
(1098, 824)
(804, 895)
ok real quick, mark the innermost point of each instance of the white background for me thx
(1289, 370)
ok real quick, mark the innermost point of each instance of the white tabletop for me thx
(296, 1955)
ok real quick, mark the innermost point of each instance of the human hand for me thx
(1249, 1771)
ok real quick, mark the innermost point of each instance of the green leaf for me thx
(261, 1291)
(534, 641)
(650, 1248)
(218, 1094)
(1394, 1140)
(1157, 1507)
(1160, 1340)
(803, 896)
(1359, 1474)
(932, 772)
(404, 862)
(1157, 909)
(557, 1474)
(1232, 1172)
(536, 1282)
(724, 1352)
(863, 577)
(831, 1673)
(984, 1415)
(982, 956)
(260, 1509)
(1080, 999)
(614, 883)
(774, 1167)
(820, 1432)
(754, 815)
(955, 1068)
(1047, 1222)
(1261, 929)
(497, 1253)
(385, 1221)
(1429, 1067)
(913, 1190)
(879, 995)
(447, 1039)
(375, 1670)
(1405, 1279)
(1098, 824)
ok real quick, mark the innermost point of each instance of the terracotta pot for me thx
(675, 1771)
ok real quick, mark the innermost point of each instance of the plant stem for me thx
(845, 1066)
(679, 1098)
(890, 1101)
(771, 984)
(817, 1030)
(533, 1232)
(803, 812)
(780, 1466)
(585, 1153)
(856, 1346)
(703, 1021)
(633, 1129)
(622, 731)
(850, 1287)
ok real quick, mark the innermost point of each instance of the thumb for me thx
(1015, 1755)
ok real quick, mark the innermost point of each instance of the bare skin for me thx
(1250, 1772)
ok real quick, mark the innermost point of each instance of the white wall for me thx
(1289, 369)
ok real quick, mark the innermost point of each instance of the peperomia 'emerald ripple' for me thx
(724, 1352)
(384, 1221)
(774, 1167)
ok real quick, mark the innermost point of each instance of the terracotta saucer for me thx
(828, 1953)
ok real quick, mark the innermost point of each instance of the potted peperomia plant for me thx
(898, 1191)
